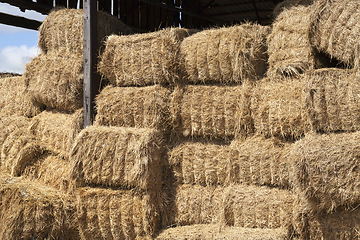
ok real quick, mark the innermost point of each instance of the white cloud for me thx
(13, 59)
(8, 9)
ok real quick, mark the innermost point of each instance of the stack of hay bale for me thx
(242, 132)
(226, 180)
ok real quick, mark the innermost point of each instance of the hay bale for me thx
(8, 124)
(116, 214)
(52, 171)
(335, 29)
(56, 130)
(332, 101)
(255, 161)
(16, 99)
(260, 161)
(63, 28)
(56, 79)
(210, 231)
(119, 157)
(140, 107)
(235, 205)
(200, 163)
(221, 112)
(289, 48)
(225, 55)
(325, 169)
(142, 59)
(19, 150)
(32, 211)
(278, 108)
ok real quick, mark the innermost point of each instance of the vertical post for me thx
(91, 78)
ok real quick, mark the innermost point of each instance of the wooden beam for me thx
(91, 78)
(19, 21)
(41, 8)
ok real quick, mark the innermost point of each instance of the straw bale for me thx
(56, 130)
(119, 157)
(277, 107)
(226, 55)
(259, 161)
(16, 99)
(210, 231)
(221, 112)
(258, 207)
(335, 29)
(116, 214)
(325, 168)
(19, 150)
(235, 205)
(64, 29)
(56, 79)
(289, 48)
(332, 101)
(200, 163)
(142, 59)
(9, 124)
(52, 171)
(255, 161)
(140, 107)
(31, 211)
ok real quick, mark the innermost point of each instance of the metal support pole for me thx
(91, 78)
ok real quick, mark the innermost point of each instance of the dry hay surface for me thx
(52, 171)
(235, 205)
(19, 150)
(277, 107)
(29, 210)
(64, 29)
(116, 214)
(16, 99)
(323, 100)
(289, 48)
(221, 112)
(56, 79)
(9, 124)
(139, 107)
(225, 55)
(255, 161)
(325, 169)
(142, 59)
(332, 99)
(56, 130)
(214, 232)
(119, 157)
(335, 29)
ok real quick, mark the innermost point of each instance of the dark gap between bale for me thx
(225, 55)
(143, 59)
(118, 157)
(116, 214)
(218, 112)
(56, 79)
(139, 107)
(57, 130)
(30, 210)
(16, 99)
(210, 231)
(63, 28)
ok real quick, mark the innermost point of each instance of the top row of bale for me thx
(228, 55)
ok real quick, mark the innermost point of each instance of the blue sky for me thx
(17, 45)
